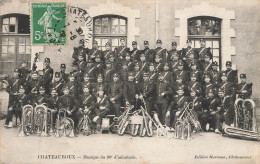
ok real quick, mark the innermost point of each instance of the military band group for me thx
(102, 82)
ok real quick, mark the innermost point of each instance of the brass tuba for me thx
(27, 120)
(246, 127)
(64, 125)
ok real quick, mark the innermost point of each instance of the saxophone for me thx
(124, 120)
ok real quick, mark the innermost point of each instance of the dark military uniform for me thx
(82, 66)
(227, 109)
(186, 51)
(121, 51)
(115, 92)
(58, 85)
(79, 50)
(227, 87)
(231, 74)
(92, 71)
(152, 74)
(243, 89)
(149, 53)
(146, 90)
(161, 52)
(47, 76)
(214, 74)
(64, 75)
(163, 90)
(101, 108)
(173, 52)
(94, 52)
(135, 53)
(182, 73)
(108, 74)
(107, 53)
(41, 98)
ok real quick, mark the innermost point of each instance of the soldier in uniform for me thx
(186, 51)
(203, 51)
(53, 103)
(158, 64)
(174, 62)
(58, 83)
(94, 52)
(178, 104)
(124, 72)
(108, 73)
(100, 84)
(91, 71)
(81, 64)
(33, 85)
(177, 84)
(194, 70)
(135, 53)
(70, 104)
(115, 93)
(47, 75)
(76, 73)
(191, 59)
(101, 108)
(196, 100)
(24, 71)
(207, 85)
(108, 52)
(129, 62)
(227, 87)
(72, 85)
(149, 53)
(80, 50)
(159, 51)
(182, 73)
(99, 67)
(244, 89)
(167, 75)
(121, 50)
(214, 73)
(231, 74)
(146, 92)
(131, 91)
(226, 107)
(87, 81)
(173, 51)
(42, 98)
(152, 74)
(207, 64)
(64, 75)
(137, 72)
(194, 84)
(13, 87)
(144, 64)
(16, 108)
(163, 90)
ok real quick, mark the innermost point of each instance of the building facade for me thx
(230, 28)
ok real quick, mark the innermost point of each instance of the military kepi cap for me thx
(159, 41)
(242, 75)
(174, 43)
(47, 60)
(228, 63)
(63, 66)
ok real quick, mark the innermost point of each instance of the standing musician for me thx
(124, 72)
(94, 51)
(214, 73)
(108, 73)
(137, 72)
(244, 89)
(146, 92)
(203, 51)
(167, 75)
(16, 107)
(81, 64)
(174, 63)
(129, 62)
(108, 52)
(186, 51)
(53, 103)
(58, 83)
(231, 74)
(91, 70)
(115, 93)
(135, 53)
(227, 87)
(158, 63)
(76, 73)
(99, 66)
(207, 64)
(162, 91)
(79, 50)
(194, 84)
(100, 84)
(24, 71)
(121, 50)
(64, 75)
(152, 74)
(149, 53)
(72, 86)
(143, 63)
(196, 100)
(131, 91)
(33, 85)
(173, 51)
(47, 75)
(159, 51)
(182, 73)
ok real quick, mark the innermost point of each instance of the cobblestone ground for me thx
(111, 148)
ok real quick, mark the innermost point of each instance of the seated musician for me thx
(16, 108)
(210, 105)
(42, 98)
(101, 108)
(196, 101)
(87, 103)
(178, 104)
(53, 103)
(70, 104)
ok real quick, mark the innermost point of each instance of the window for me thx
(209, 29)
(15, 44)
(109, 28)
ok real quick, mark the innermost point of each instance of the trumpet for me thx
(27, 120)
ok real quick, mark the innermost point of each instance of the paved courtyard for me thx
(111, 148)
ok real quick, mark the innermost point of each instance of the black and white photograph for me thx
(129, 81)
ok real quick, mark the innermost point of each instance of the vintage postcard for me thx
(129, 81)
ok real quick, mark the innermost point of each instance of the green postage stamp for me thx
(48, 23)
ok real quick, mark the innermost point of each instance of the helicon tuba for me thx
(247, 127)
(27, 120)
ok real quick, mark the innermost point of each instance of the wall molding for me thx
(205, 9)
